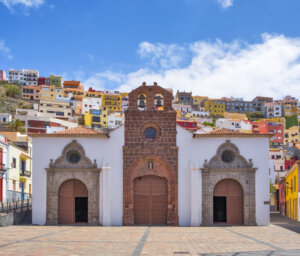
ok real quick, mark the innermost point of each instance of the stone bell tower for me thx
(150, 158)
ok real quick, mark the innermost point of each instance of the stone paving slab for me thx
(95, 240)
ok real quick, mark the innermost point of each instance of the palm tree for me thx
(12, 90)
(17, 126)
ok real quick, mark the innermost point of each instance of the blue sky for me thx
(183, 44)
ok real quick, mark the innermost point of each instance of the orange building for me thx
(74, 87)
(31, 92)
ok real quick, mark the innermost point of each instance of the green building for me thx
(55, 81)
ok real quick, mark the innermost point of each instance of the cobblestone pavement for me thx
(272, 240)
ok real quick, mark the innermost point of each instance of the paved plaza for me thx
(276, 239)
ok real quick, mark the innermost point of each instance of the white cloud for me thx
(4, 50)
(10, 4)
(225, 3)
(166, 55)
(217, 69)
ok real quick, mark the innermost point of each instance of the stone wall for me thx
(61, 170)
(239, 170)
(138, 150)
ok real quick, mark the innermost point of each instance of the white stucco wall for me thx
(192, 154)
(107, 152)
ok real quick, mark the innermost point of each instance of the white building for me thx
(150, 171)
(15, 76)
(90, 103)
(272, 109)
(30, 77)
(5, 117)
(182, 108)
(114, 120)
(196, 113)
(24, 77)
(232, 124)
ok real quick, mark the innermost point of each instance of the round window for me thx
(227, 156)
(73, 157)
(150, 133)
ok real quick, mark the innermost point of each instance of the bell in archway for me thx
(158, 102)
(141, 101)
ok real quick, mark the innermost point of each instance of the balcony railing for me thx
(24, 173)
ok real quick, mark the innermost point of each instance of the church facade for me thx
(150, 172)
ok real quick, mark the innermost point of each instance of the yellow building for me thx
(19, 159)
(96, 118)
(293, 192)
(240, 116)
(91, 93)
(290, 110)
(112, 101)
(197, 99)
(291, 135)
(215, 108)
(50, 93)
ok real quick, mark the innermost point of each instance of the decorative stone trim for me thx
(62, 170)
(239, 170)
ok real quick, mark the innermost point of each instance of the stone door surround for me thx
(62, 170)
(240, 170)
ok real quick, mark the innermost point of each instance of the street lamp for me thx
(287, 186)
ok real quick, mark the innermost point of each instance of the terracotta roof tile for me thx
(79, 131)
(223, 132)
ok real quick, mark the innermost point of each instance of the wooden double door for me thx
(228, 202)
(150, 200)
(72, 202)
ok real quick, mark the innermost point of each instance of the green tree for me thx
(16, 126)
(272, 188)
(291, 121)
(253, 116)
(12, 90)
(209, 124)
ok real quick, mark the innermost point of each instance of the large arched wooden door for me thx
(150, 200)
(229, 202)
(72, 202)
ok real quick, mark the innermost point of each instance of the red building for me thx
(281, 187)
(267, 127)
(187, 124)
(43, 81)
(288, 164)
(37, 126)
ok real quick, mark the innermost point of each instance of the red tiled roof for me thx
(79, 131)
(222, 132)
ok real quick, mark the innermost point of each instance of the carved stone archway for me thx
(154, 166)
(62, 170)
(238, 169)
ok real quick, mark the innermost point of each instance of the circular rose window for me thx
(227, 156)
(73, 157)
(150, 133)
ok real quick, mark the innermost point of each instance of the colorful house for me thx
(293, 192)
(282, 193)
(215, 108)
(112, 101)
(96, 118)
(291, 135)
(18, 168)
(75, 88)
(268, 127)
